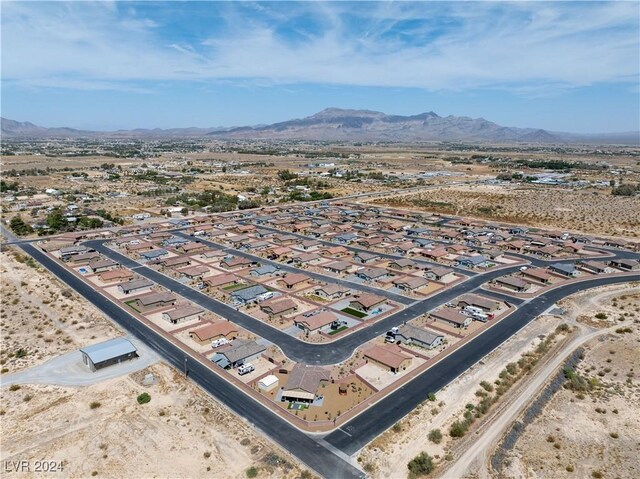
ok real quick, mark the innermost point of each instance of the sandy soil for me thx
(591, 211)
(606, 307)
(593, 434)
(182, 432)
(42, 318)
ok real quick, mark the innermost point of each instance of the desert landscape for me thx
(295, 240)
(588, 210)
(40, 317)
(101, 430)
(589, 428)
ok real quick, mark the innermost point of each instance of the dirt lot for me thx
(591, 434)
(588, 211)
(41, 318)
(606, 307)
(102, 431)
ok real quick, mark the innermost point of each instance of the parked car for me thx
(246, 369)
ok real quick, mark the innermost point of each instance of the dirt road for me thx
(474, 459)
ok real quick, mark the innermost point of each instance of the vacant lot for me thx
(551, 207)
(591, 433)
(40, 317)
(102, 431)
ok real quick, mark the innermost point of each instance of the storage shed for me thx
(114, 351)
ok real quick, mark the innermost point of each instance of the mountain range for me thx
(335, 124)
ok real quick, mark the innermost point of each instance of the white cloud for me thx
(523, 47)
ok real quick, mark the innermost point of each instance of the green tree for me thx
(458, 429)
(19, 227)
(56, 220)
(4, 186)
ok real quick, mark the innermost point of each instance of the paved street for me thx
(305, 447)
(294, 348)
(355, 434)
(292, 269)
(323, 454)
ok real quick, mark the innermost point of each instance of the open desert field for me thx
(591, 433)
(40, 317)
(102, 431)
(588, 211)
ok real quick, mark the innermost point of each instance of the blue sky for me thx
(566, 66)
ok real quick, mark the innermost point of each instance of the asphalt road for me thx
(295, 349)
(358, 432)
(352, 436)
(355, 249)
(304, 447)
(398, 298)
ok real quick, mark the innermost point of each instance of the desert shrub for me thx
(458, 429)
(143, 398)
(435, 436)
(252, 472)
(20, 353)
(601, 316)
(626, 189)
(486, 386)
(94, 404)
(421, 465)
(512, 368)
(575, 382)
(273, 459)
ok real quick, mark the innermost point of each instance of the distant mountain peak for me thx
(344, 125)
